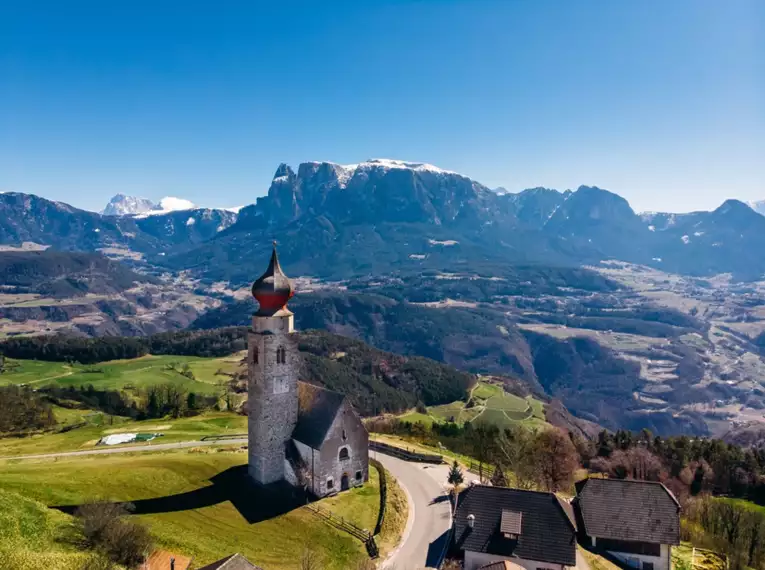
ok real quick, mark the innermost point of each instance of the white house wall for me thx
(475, 560)
(661, 562)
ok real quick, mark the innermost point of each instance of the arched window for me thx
(281, 355)
(255, 355)
(344, 453)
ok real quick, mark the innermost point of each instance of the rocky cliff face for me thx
(121, 205)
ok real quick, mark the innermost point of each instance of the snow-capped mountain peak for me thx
(122, 205)
(168, 204)
(758, 206)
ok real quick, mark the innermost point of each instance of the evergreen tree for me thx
(455, 478)
(152, 408)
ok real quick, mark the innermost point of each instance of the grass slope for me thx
(183, 429)
(491, 404)
(120, 374)
(33, 536)
(206, 533)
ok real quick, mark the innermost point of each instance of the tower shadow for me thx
(254, 502)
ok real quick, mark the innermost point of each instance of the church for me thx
(303, 434)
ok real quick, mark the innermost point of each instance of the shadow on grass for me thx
(254, 502)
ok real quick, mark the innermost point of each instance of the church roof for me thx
(317, 409)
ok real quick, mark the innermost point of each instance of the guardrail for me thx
(224, 437)
(405, 454)
(383, 495)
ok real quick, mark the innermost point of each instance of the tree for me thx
(191, 401)
(498, 479)
(310, 560)
(125, 542)
(455, 477)
(557, 459)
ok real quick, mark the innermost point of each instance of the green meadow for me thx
(206, 532)
(137, 373)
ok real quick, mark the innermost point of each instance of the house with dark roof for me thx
(232, 562)
(527, 529)
(637, 522)
(303, 434)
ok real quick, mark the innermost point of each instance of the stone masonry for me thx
(273, 401)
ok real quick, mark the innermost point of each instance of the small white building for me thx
(637, 522)
(519, 529)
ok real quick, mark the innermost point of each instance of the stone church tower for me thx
(272, 362)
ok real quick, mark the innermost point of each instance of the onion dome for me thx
(273, 289)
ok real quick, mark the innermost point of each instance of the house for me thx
(305, 435)
(232, 562)
(637, 522)
(526, 529)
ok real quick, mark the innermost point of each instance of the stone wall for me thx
(349, 434)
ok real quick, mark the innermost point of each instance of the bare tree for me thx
(310, 560)
(557, 459)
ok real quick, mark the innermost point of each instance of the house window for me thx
(281, 355)
(647, 565)
(330, 484)
(358, 475)
(344, 453)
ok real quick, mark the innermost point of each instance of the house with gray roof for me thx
(637, 522)
(232, 562)
(520, 529)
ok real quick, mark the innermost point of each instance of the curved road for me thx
(423, 542)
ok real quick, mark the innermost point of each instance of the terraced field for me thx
(488, 403)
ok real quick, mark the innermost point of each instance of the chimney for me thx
(471, 521)
(172, 563)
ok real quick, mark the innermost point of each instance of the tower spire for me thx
(273, 289)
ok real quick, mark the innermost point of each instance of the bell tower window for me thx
(281, 355)
(255, 355)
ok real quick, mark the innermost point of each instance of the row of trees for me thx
(62, 348)
(544, 459)
(689, 466)
(731, 526)
(22, 410)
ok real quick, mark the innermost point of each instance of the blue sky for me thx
(660, 101)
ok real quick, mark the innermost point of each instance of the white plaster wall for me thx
(474, 560)
(662, 562)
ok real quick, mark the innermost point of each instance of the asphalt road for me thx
(425, 538)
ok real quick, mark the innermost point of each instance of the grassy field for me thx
(702, 559)
(183, 429)
(206, 532)
(124, 374)
(491, 404)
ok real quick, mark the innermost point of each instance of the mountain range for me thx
(573, 294)
(338, 221)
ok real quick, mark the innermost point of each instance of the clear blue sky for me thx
(662, 101)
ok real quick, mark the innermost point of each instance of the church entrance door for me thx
(344, 486)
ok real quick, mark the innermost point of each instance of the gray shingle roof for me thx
(232, 562)
(547, 534)
(625, 509)
(317, 409)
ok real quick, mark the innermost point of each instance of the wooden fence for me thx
(483, 470)
(406, 454)
(345, 525)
